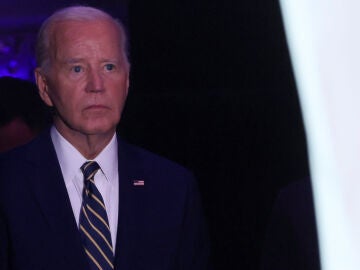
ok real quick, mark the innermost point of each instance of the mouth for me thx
(96, 107)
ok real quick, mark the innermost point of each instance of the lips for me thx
(96, 107)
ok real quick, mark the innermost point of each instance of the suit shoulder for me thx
(13, 155)
(18, 158)
(295, 202)
(20, 152)
(300, 190)
(150, 160)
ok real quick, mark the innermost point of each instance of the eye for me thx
(77, 69)
(109, 67)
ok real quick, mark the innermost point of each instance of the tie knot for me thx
(89, 169)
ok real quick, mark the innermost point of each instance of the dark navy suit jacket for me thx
(160, 224)
(292, 241)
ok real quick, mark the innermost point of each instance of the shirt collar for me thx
(71, 159)
(108, 159)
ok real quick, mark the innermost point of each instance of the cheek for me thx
(120, 100)
(64, 93)
(118, 93)
(60, 99)
(66, 103)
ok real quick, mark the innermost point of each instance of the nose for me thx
(95, 82)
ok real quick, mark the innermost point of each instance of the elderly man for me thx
(78, 197)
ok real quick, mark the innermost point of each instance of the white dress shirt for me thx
(106, 179)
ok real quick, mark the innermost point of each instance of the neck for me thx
(89, 145)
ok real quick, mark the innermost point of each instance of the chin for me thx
(100, 129)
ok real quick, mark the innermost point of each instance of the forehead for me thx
(85, 37)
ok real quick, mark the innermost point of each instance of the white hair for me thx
(73, 13)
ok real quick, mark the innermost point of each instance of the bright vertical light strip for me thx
(323, 40)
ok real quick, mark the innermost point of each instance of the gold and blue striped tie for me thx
(94, 225)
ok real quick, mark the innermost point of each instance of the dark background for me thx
(211, 88)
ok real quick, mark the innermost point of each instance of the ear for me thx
(128, 67)
(43, 87)
(127, 83)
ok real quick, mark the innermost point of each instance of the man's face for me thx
(88, 78)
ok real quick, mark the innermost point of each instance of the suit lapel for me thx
(130, 169)
(51, 194)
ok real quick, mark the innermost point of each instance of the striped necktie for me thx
(94, 225)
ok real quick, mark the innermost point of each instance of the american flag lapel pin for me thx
(137, 183)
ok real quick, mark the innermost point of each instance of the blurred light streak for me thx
(323, 38)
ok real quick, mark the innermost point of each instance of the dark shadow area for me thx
(212, 88)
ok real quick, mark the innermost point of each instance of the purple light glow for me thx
(16, 55)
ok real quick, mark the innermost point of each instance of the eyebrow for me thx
(73, 60)
(111, 60)
(79, 60)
